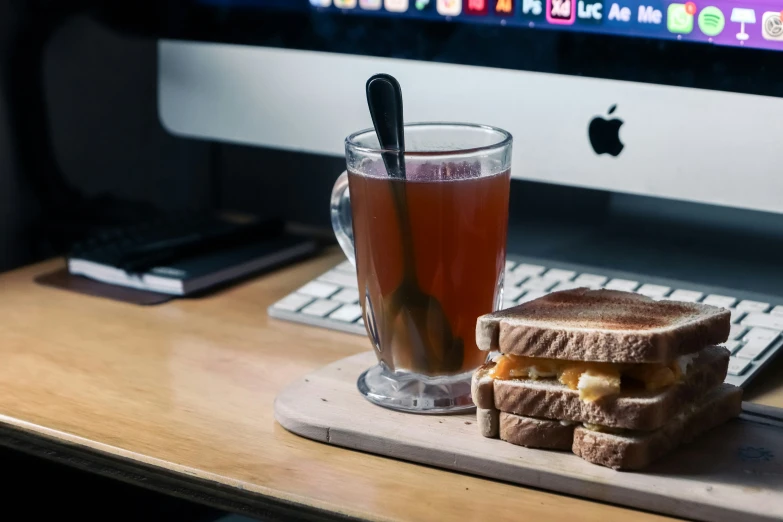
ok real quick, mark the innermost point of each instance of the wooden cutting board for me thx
(735, 472)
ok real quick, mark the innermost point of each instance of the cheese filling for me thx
(606, 429)
(593, 380)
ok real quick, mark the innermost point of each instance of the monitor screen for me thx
(737, 23)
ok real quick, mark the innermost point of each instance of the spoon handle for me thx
(384, 97)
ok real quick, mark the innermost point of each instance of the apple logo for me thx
(605, 134)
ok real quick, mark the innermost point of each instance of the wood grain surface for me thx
(716, 478)
(179, 397)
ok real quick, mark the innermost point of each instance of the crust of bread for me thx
(536, 433)
(636, 451)
(641, 410)
(487, 421)
(603, 325)
(481, 387)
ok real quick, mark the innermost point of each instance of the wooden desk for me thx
(179, 397)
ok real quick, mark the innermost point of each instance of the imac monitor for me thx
(673, 99)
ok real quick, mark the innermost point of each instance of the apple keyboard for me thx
(332, 301)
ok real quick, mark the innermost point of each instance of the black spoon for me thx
(414, 320)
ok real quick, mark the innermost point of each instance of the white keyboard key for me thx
(653, 290)
(508, 304)
(736, 315)
(761, 334)
(724, 301)
(778, 310)
(530, 296)
(590, 280)
(513, 293)
(336, 277)
(360, 322)
(514, 279)
(557, 274)
(732, 346)
(752, 306)
(347, 296)
(347, 313)
(625, 285)
(320, 290)
(346, 266)
(736, 331)
(737, 366)
(293, 302)
(774, 322)
(566, 285)
(510, 265)
(689, 296)
(754, 348)
(529, 270)
(320, 308)
(537, 284)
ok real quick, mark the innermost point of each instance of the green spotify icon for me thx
(711, 21)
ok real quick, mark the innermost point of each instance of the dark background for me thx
(43, 490)
(100, 89)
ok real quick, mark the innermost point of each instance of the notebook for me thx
(197, 256)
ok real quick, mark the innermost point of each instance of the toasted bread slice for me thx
(637, 450)
(603, 325)
(488, 421)
(481, 387)
(637, 410)
(536, 433)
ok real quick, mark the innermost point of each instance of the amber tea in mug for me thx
(429, 252)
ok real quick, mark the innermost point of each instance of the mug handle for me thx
(342, 220)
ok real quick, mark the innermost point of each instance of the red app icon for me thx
(477, 7)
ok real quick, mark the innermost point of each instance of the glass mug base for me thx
(413, 393)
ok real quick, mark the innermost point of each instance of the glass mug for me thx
(429, 252)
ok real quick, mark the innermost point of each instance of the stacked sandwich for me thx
(617, 377)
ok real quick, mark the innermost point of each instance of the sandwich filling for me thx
(593, 380)
(607, 429)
